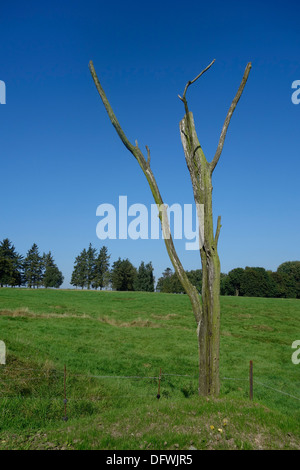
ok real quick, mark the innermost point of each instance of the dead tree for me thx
(206, 308)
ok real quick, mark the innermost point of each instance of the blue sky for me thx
(60, 156)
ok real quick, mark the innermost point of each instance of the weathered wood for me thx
(209, 328)
(251, 380)
(207, 309)
(201, 173)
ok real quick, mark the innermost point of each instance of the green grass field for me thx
(115, 343)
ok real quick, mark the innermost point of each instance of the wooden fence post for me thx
(159, 379)
(251, 380)
(65, 418)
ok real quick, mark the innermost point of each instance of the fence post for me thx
(251, 380)
(65, 418)
(159, 379)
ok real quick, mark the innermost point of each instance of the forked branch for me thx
(190, 82)
(184, 100)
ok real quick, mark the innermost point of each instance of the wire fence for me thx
(56, 375)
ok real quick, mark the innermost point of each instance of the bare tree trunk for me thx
(208, 330)
(201, 171)
(206, 310)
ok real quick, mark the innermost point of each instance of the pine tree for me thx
(164, 282)
(11, 265)
(75, 273)
(79, 275)
(90, 265)
(52, 276)
(101, 269)
(123, 275)
(144, 279)
(150, 278)
(33, 267)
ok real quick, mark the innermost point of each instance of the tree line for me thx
(33, 271)
(245, 282)
(92, 270)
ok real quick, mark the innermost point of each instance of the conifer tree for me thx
(144, 279)
(164, 283)
(33, 267)
(52, 276)
(11, 265)
(123, 275)
(101, 269)
(90, 265)
(79, 275)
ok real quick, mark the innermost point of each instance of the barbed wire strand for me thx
(70, 374)
(47, 375)
(276, 390)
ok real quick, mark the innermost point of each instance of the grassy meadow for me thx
(115, 343)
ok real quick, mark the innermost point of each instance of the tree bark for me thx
(208, 330)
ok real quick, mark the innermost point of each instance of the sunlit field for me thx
(104, 352)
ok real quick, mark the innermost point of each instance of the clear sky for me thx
(61, 158)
